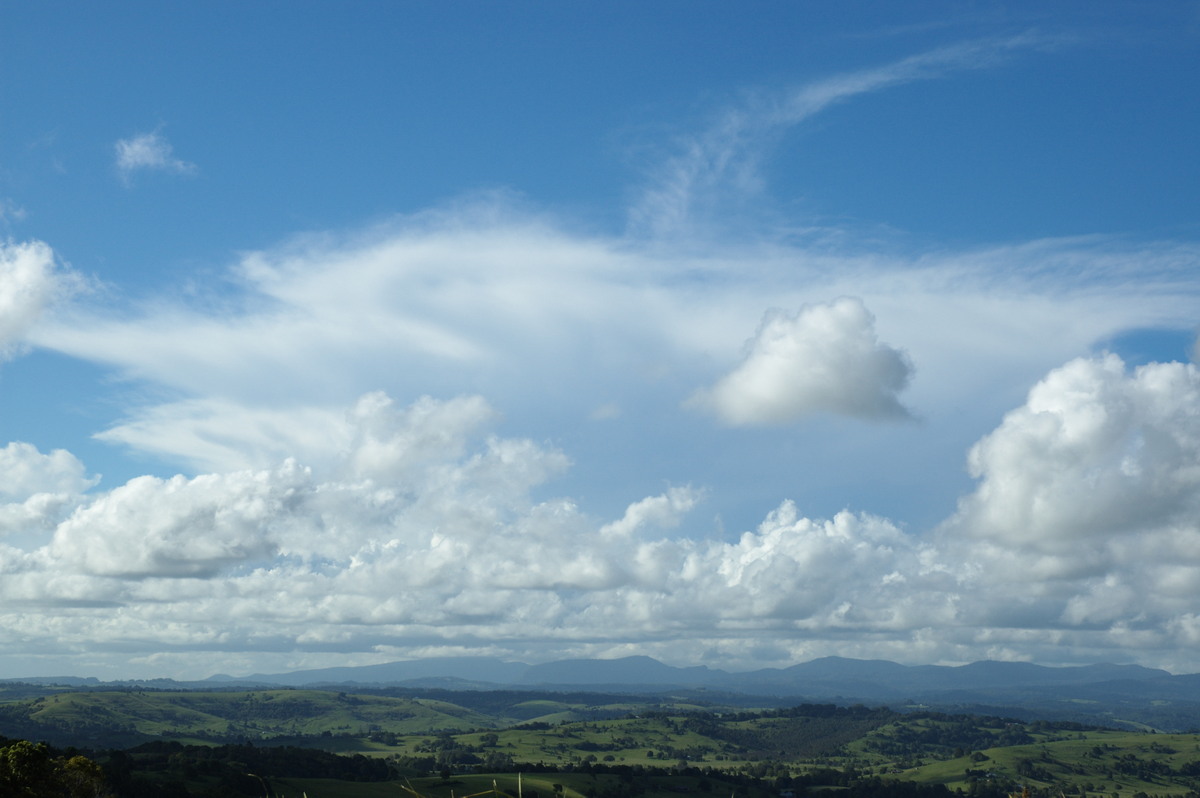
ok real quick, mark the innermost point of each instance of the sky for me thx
(731, 334)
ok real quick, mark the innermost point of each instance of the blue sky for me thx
(734, 334)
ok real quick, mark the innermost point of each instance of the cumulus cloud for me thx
(823, 358)
(148, 152)
(24, 472)
(1085, 515)
(421, 527)
(30, 282)
(1095, 452)
(429, 530)
(180, 526)
(38, 490)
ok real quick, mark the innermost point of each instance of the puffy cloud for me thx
(824, 358)
(664, 511)
(1095, 454)
(180, 526)
(148, 151)
(427, 529)
(423, 531)
(37, 490)
(24, 472)
(397, 444)
(1085, 519)
(30, 282)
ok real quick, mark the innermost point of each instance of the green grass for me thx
(1090, 760)
(263, 714)
(574, 785)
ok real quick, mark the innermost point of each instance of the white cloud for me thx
(30, 282)
(823, 358)
(1085, 516)
(179, 527)
(1095, 453)
(324, 515)
(10, 211)
(148, 152)
(428, 530)
(24, 472)
(720, 168)
(442, 305)
(410, 521)
(37, 491)
(419, 524)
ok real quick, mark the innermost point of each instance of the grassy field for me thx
(261, 714)
(1101, 763)
(421, 735)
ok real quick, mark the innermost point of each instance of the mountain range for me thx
(1105, 693)
(825, 677)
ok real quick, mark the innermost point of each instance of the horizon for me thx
(734, 336)
(226, 677)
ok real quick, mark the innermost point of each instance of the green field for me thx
(608, 747)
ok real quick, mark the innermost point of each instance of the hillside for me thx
(1128, 696)
(620, 744)
(127, 717)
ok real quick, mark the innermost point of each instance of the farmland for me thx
(334, 742)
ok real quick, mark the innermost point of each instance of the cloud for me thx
(38, 490)
(10, 212)
(1094, 453)
(30, 283)
(178, 527)
(148, 151)
(24, 472)
(441, 303)
(1085, 515)
(823, 358)
(429, 531)
(720, 168)
(419, 526)
(357, 492)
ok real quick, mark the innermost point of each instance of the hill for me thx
(1118, 695)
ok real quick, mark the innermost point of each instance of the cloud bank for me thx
(356, 488)
(418, 532)
(320, 527)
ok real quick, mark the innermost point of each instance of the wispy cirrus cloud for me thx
(721, 166)
(148, 152)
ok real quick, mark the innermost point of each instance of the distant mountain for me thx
(1103, 694)
(485, 670)
(823, 679)
(616, 672)
(880, 680)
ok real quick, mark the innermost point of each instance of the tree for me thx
(30, 770)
